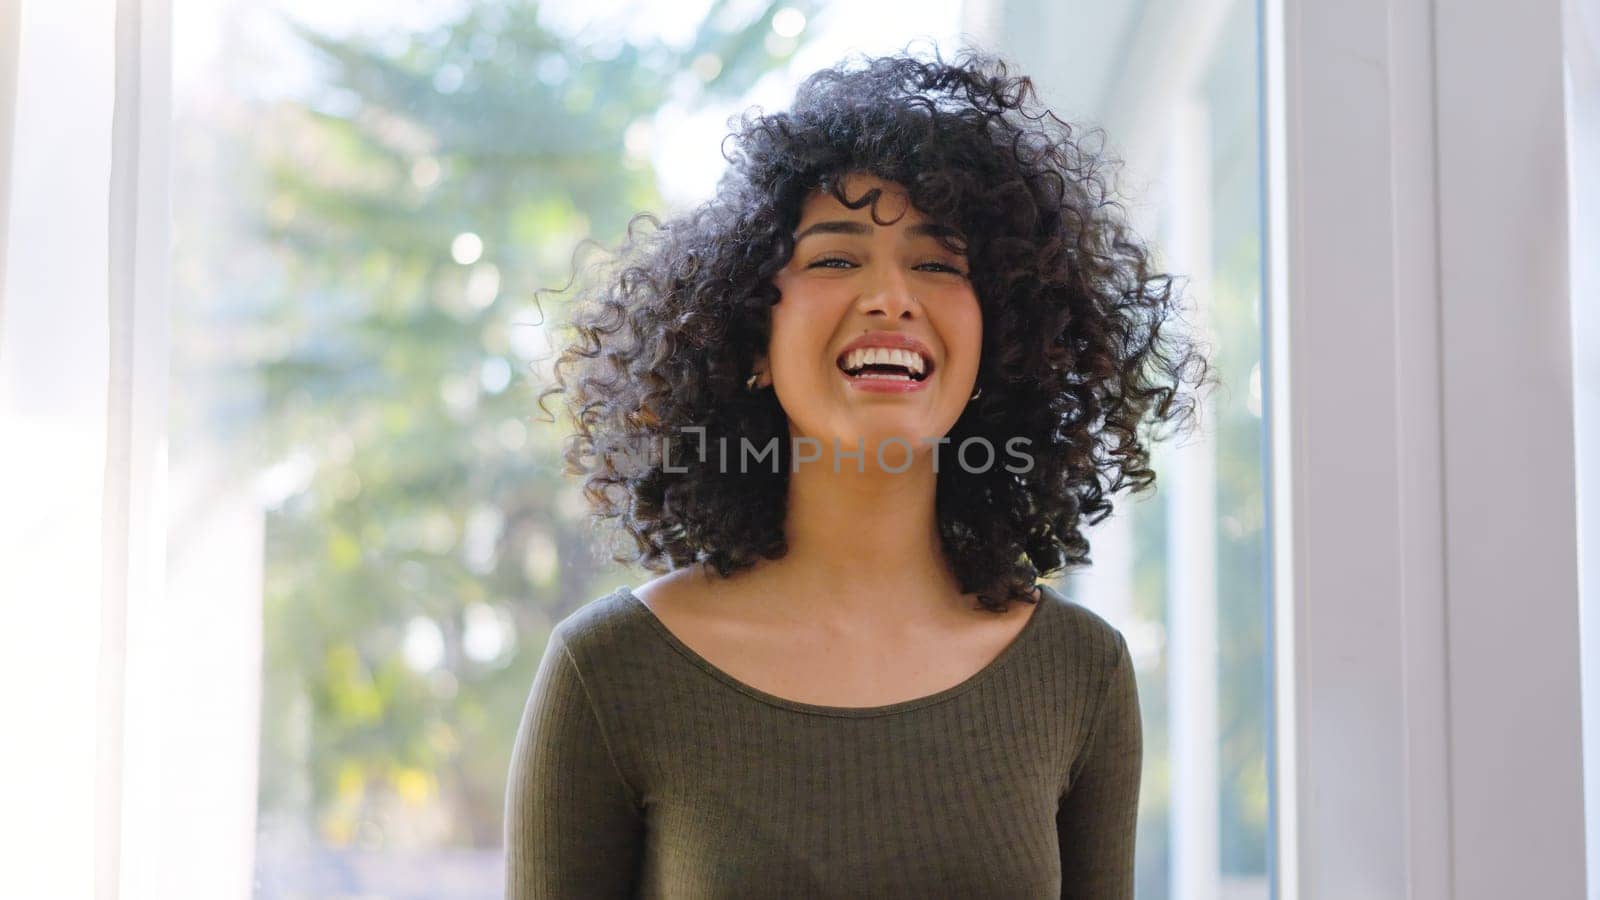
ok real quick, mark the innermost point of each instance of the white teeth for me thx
(913, 362)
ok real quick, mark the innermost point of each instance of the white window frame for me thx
(1582, 38)
(1427, 658)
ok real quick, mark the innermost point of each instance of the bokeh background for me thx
(371, 201)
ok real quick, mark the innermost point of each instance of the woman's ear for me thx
(760, 374)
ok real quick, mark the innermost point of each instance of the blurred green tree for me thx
(415, 202)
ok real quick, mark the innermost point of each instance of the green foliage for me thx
(435, 495)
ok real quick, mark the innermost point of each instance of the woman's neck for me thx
(864, 544)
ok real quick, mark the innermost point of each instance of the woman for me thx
(853, 408)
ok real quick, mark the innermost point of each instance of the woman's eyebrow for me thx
(835, 227)
(845, 226)
(934, 229)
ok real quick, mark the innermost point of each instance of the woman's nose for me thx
(891, 296)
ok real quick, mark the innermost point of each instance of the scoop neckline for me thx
(1047, 595)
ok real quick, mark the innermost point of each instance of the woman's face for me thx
(851, 278)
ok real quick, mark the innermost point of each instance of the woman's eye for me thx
(836, 262)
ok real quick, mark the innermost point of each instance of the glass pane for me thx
(368, 199)
(1183, 572)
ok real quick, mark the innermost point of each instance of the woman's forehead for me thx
(880, 202)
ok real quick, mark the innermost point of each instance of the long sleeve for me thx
(572, 828)
(1095, 823)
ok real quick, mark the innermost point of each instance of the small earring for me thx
(975, 394)
(750, 383)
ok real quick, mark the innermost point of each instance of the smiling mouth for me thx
(891, 364)
(885, 372)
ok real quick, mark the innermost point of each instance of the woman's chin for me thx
(897, 448)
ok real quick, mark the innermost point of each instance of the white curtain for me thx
(127, 764)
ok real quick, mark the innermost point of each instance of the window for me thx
(1183, 572)
(282, 637)
(371, 199)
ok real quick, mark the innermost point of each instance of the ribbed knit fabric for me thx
(641, 769)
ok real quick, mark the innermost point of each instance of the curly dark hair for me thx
(1076, 354)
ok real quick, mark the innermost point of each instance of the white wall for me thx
(1424, 448)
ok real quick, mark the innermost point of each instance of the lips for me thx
(884, 383)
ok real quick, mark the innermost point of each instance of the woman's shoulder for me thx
(1084, 636)
(606, 624)
(628, 620)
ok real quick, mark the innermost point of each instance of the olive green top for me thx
(641, 769)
